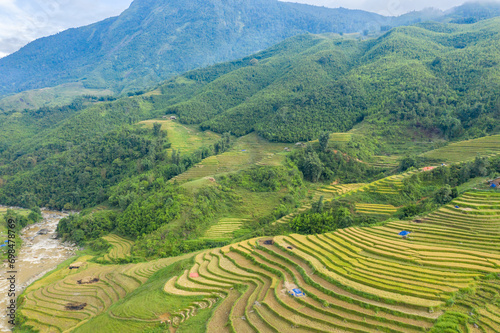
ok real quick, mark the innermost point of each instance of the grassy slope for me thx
(184, 138)
(55, 96)
(466, 150)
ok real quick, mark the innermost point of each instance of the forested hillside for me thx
(435, 77)
(426, 82)
(155, 40)
(199, 210)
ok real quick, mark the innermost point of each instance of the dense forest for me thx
(438, 80)
(155, 40)
(433, 77)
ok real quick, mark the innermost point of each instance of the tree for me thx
(443, 195)
(344, 218)
(156, 129)
(480, 167)
(324, 137)
(407, 162)
(317, 207)
(313, 167)
(409, 211)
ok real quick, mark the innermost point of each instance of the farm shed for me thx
(88, 280)
(76, 265)
(495, 182)
(75, 306)
(296, 292)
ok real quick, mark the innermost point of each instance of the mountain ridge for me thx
(154, 40)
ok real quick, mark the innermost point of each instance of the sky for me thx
(22, 21)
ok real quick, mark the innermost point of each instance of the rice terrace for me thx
(443, 273)
(253, 166)
(358, 279)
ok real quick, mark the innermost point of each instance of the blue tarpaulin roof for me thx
(6, 241)
(457, 206)
(3, 245)
(297, 292)
(404, 233)
(493, 185)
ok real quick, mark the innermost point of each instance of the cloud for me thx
(22, 21)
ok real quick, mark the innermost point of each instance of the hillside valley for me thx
(306, 181)
(155, 40)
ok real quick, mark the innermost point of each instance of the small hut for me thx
(76, 265)
(173, 118)
(404, 234)
(88, 280)
(495, 183)
(75, 306)
(296, 292)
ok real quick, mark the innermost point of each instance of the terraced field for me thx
(337, 138)
(385, 161)
(314, 196)
(120, 248)
(466, 150)
(340, 137)
(205, 168)
(224, 228)
(183, 137)
(98, 287)
(375, 209)
(389, 186)
(361, 279)
(288, 218)
(333, 191)
(248, 151)
(474, 225)
(339, 189)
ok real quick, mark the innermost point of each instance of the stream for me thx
(39, 254)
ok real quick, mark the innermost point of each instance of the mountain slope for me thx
(411, 84)
(432, 76)
(155, 39)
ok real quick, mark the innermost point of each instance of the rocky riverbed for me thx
(40, 253)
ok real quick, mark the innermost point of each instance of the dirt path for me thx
(39, 254)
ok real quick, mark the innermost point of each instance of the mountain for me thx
(412, 84)
(472, 12)
(435, 76)
(156, 39)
